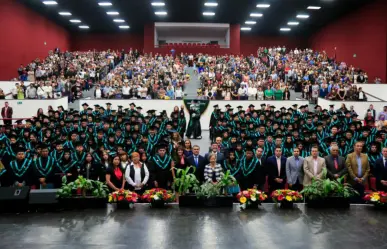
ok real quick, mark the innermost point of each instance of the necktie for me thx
(279, 166)
(336, 164)
(385, 163)
(196, 161)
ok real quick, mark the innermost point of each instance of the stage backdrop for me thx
(168, 105)
(27, 108)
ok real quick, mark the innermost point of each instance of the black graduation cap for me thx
(151, 111)
(60, 106)
(240, 107)
(85, 104)
(331, 106)
(272, 107)
(139, 108)
(317, 106)
(262, 105)
(295, 105)
(301, 107)
(120, 106)
(251, 106)
(132, 104)
(89, 109)
(216, 106)
(96, 105)
(283, 108)
(19, 121)
(162, 146)
(228, 105)
(108, 103)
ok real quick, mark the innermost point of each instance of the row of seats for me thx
(190, 45)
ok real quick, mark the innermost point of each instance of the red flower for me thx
(120, 198)
(280, 197)
(383, 200)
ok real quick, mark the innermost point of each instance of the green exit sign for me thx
(20, 102)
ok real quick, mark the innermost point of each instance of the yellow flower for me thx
(242, 200)
(294, 198)
(110, 198)
(288, 198)
(376, 197)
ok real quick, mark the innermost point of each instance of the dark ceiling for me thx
(136, 13)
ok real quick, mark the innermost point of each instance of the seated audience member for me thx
(93, 170)
(180, 159)
(358, 168)
(137, 174)
(276, 170)
(294, 170)
(66, 167)
(335, 164)
(19, 172)
(215, 151)
(198, 161)
(313, 167)
(45, 166)
(213, 171)
(115, 175)
(380, 172)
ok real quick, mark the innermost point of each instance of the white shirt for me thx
(98, 93)
(125, 90)
(315, 166)
(279, 165)
(178, 93)
(137, 175)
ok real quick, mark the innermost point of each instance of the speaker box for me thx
(14, 200)
(43, 200)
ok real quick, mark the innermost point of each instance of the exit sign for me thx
(20, 102)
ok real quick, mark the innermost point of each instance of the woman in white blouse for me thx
(260, 94)
(137, 174)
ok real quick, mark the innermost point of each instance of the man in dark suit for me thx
(214, 150)
(262, 170)
(6, 113)
(197, 161)
(276, 166)
(335, 164)
(372, 111)
(381, 171)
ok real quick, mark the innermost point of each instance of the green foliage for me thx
(323, 188)
(185, 181)
(210, 189)
(97, 188)
(227, 180)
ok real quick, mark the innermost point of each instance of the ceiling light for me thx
(208, 13)
(314, 7)
(112, 13)
(124, 27)
(158, 4)
(285, 29)
(303, 16)
(263, 5)
(50, 2)
(105, 4)
(118, 20)
(161, 13)
(256, 15)
(65, 13)
(75, 21)
(293, 23)
(211, 4)
(84, 27)
(250, 22)
(246, 28)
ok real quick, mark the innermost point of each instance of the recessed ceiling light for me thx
(211, 4)
(112, 13)
(50, 2)
(161, 13)
(124, 27)
(314, 7)
(246, 28)
(250, 22)
(118, 20)
(263, 5)
(84, 27)
(105, 4)
(285, 29)
(75, 21)
(65, 13)
(208, 13)
(303, 16)
(158, 4)
(293, 23)
(256, 15)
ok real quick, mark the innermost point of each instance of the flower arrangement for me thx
(158, 195)
(286, 195)
(123, 196)
(377, 198)
(251, 197)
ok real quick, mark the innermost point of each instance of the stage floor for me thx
(146, 228)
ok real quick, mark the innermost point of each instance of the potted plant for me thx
(157, 197)
(326, 193)
(214, 194)
(251, 198)
(185, 182)
(379, 199)
(125, 199)
(82, 193)
(286, 197)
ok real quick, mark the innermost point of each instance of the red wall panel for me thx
(99, 42)
(249, 44)
(25, 36)
(364, 33)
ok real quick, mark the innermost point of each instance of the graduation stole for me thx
(70, 145)
(95, 113)
(57, 156)
(152, 120)
(143, 128)
(343, 151)
(96, 157)
(310, 127)
(109, 147)
(3, 152)
(163, 164)
(238, 156)
(233, 169)
(119, 140)
(153, 140)
(66, 167)
(44, 170)
(79, 158)
(19, 171)
(247, 168)
(10, 151)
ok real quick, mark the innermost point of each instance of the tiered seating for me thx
(190, 45)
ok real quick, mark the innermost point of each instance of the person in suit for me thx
(381, 171)
(276, 169)
(294, 170)
(313, 166)
(262, 170)
(358, 168)
(214, 151)
(6, 113)
(221, 148)
(335, 164)
(198, 161)
(372, 111)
